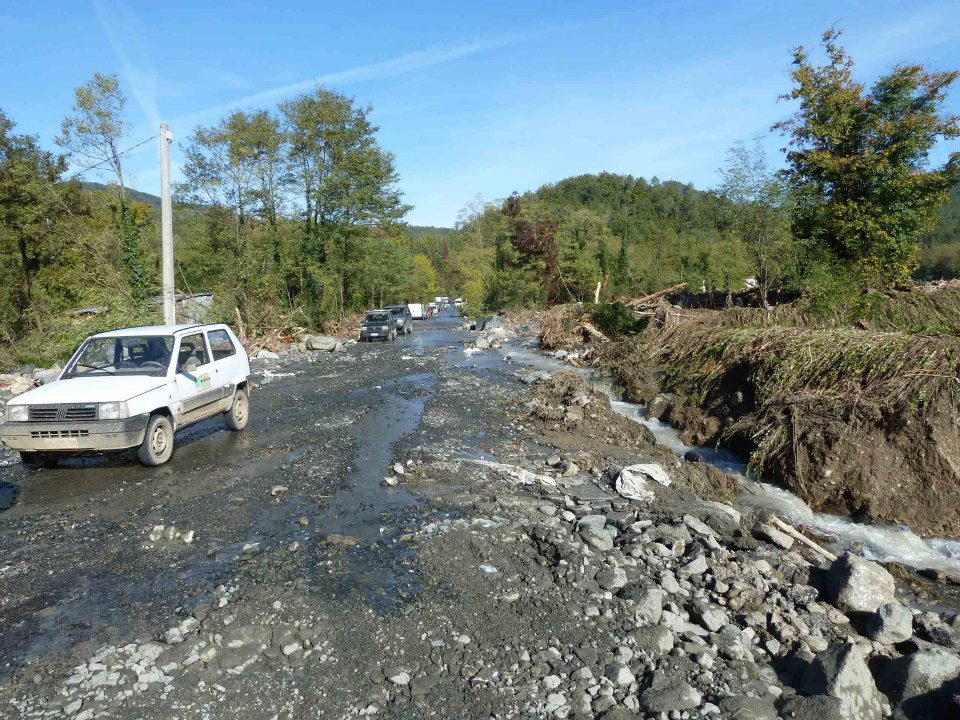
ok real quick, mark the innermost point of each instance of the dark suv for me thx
(378, 325)
(403, 317)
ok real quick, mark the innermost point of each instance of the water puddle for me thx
(879, 542)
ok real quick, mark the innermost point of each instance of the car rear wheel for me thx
(239, 413)
(157, 445)
(38, 459)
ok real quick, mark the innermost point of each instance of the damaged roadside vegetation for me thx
(855, 416)
(541, 573)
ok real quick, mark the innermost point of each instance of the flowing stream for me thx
(879, 542)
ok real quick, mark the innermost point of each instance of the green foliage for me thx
(858, 161)
(616, 319)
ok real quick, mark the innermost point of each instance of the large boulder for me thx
(324, 343)
(48, 375)
(855, 584)
(841, 672)
(892, 623)
(668, 694)
(924, 683)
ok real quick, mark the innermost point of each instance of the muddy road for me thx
(275, 573)
(77, 566)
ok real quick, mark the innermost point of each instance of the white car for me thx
(132, 388)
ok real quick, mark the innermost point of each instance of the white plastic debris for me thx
(472, 351)
(632, 480)
(517, 474)
(489, 568)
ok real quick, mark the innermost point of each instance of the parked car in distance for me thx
(416, 310)
(458, 302)
(378, 325)
(132, 388)
(401, 314)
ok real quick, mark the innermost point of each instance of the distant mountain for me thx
(135, 195)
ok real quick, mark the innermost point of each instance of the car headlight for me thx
(113, 411)
(18, 413)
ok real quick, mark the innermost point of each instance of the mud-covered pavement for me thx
(498, 575)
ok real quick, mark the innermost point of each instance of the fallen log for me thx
(653, 297)
(797, 535)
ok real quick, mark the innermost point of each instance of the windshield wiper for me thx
(95, 368)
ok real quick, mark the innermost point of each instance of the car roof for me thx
(156, 330)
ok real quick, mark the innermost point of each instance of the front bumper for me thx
(72, 437)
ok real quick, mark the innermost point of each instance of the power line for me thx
(107, 160)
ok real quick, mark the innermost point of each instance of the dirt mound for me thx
(854, 422)
(567, 405)
(573, 416)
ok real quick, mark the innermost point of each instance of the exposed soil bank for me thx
(854, 422)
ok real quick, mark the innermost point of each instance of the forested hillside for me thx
(294, 214)
(940, 252)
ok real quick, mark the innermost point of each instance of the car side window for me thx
(221, 346)
(193, 353)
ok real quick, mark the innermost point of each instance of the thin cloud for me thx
(142, 85)
(400, 65)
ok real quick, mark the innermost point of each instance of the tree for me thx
(858, 161)
(348, 182)
(423, 279)
(93, 132)
(758, 201)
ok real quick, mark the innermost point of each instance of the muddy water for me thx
(879, 542)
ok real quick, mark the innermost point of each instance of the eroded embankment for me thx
(853, 421)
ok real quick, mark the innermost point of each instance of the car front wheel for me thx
(238, 414)
(157, 445)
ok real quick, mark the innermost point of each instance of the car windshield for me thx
(377, 317)
(398, 310)
(137, 355)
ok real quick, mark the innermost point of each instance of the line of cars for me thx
(388, 323)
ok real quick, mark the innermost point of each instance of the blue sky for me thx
(479, 98)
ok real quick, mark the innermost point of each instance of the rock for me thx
(322, 343)
(666, 694)
(693, 456)
(278, 490)
(818, 707)
(267, 355)
(612, 578)
(647, 600)
(762, 531)
(47, 376)
(597, 539)
(655, 640)
(620, 675)
(930, 626)
(660, 405)
(855, 584)
(743, 707)
(697, 566)
(401, 677)
(841, 672)
(188, 536)
(340, 540)
(398, 469)
(712, 617)
(923, 683)
(891, 624)
(597, 522)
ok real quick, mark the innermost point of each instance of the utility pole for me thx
(166, 228)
